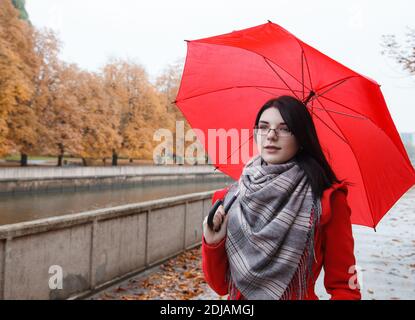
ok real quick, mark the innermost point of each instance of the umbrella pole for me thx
(312, 94)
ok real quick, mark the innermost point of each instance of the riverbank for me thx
(33, 179)
(28, 206)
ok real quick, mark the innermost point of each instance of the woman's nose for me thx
(272, 135)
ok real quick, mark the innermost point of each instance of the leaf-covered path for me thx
(180, 278)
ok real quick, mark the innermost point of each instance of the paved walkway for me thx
(385, 262)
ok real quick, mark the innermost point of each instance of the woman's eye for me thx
(263, 127)
(285, 129)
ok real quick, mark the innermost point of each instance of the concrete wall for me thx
(45, 179)
(96, 248)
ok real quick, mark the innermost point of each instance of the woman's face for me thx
(287, 145)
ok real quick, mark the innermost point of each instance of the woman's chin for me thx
(274, 159)
(270, 159)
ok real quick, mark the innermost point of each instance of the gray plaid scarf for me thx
(270, 231)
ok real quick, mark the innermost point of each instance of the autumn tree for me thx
(117, 93)
(100, 121)
(403, 54)
(63, 115)
(47, 48)
(18, 71)
(139, 105)
(168, 85)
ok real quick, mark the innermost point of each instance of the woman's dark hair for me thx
(311, 158)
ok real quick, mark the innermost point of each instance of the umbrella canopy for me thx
(227, 78)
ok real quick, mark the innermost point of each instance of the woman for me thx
(291, 217)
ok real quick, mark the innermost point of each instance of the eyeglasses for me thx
(280, 131)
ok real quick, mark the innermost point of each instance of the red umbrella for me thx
(227, 78)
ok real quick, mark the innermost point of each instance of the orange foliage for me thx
(48, 107)
(18, 70)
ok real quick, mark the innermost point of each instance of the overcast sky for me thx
(152, 32)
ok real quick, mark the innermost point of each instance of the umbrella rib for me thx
(239, 147)
(331, 88)
(342, 113)
(302, 70)
(229, 88)
(335, 82)
(306, 62)
(344, 106)
(276, 72)
(272, 93)
(302, 83)
(340, 137)
(366, 118)
(358, 164)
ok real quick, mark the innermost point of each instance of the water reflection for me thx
(29, 206)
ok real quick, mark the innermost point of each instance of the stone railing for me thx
(64, 178)
(75, 255)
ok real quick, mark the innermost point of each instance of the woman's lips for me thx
(271, 149)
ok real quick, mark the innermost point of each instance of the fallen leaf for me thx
(119, 289)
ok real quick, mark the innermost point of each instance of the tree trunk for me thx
(60, 158)
(23, 160)
(114, 158)
(84, 162)
(61, 152)
(131, 160)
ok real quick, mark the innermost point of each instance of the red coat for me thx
(333, 248)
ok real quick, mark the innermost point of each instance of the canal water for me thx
(21, 207)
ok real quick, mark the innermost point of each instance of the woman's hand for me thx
(220, 223)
